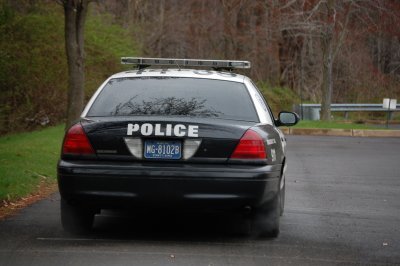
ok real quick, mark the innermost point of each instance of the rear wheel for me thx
(265, 221)
(76, 219)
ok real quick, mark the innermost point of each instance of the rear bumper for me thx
(172, 186)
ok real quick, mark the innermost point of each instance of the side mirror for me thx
(287, 119)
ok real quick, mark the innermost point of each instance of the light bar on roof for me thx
(185, 62)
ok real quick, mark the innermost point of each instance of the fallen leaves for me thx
(10, 207)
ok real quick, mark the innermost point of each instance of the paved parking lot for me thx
(342, 208)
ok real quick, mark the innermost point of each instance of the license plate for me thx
(154, 149)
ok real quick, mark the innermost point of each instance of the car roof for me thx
(181, 73)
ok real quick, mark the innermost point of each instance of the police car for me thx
(176, 138)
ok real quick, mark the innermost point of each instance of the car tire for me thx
(75, 219)
(265, 221)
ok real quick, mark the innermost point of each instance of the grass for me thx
(26, 159)
(332, 124)
(278, 98)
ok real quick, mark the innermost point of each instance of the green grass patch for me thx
(332, 124)
(28, 158)
(278, 98)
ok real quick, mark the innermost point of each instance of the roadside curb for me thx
(342, 132)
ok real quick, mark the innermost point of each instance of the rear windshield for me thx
(171, 96)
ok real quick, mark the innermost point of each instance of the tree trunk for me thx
(75, 16)
(327, 61)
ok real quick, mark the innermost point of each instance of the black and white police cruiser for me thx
(178, 139)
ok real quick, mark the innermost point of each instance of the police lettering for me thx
(178, 130)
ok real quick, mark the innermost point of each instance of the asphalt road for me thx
(342, 208)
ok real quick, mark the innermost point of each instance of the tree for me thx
(75, 12)
(326, 20)
(327, 37)
(330, 47)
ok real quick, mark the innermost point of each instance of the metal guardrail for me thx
(308, 108)
(341, 107)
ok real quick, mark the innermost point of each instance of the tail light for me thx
(76, 141)
(251, 146)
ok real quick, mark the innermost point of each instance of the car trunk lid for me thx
(206, 138)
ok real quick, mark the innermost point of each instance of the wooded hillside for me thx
(349, 49)
(284, 40)
(33, 68)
